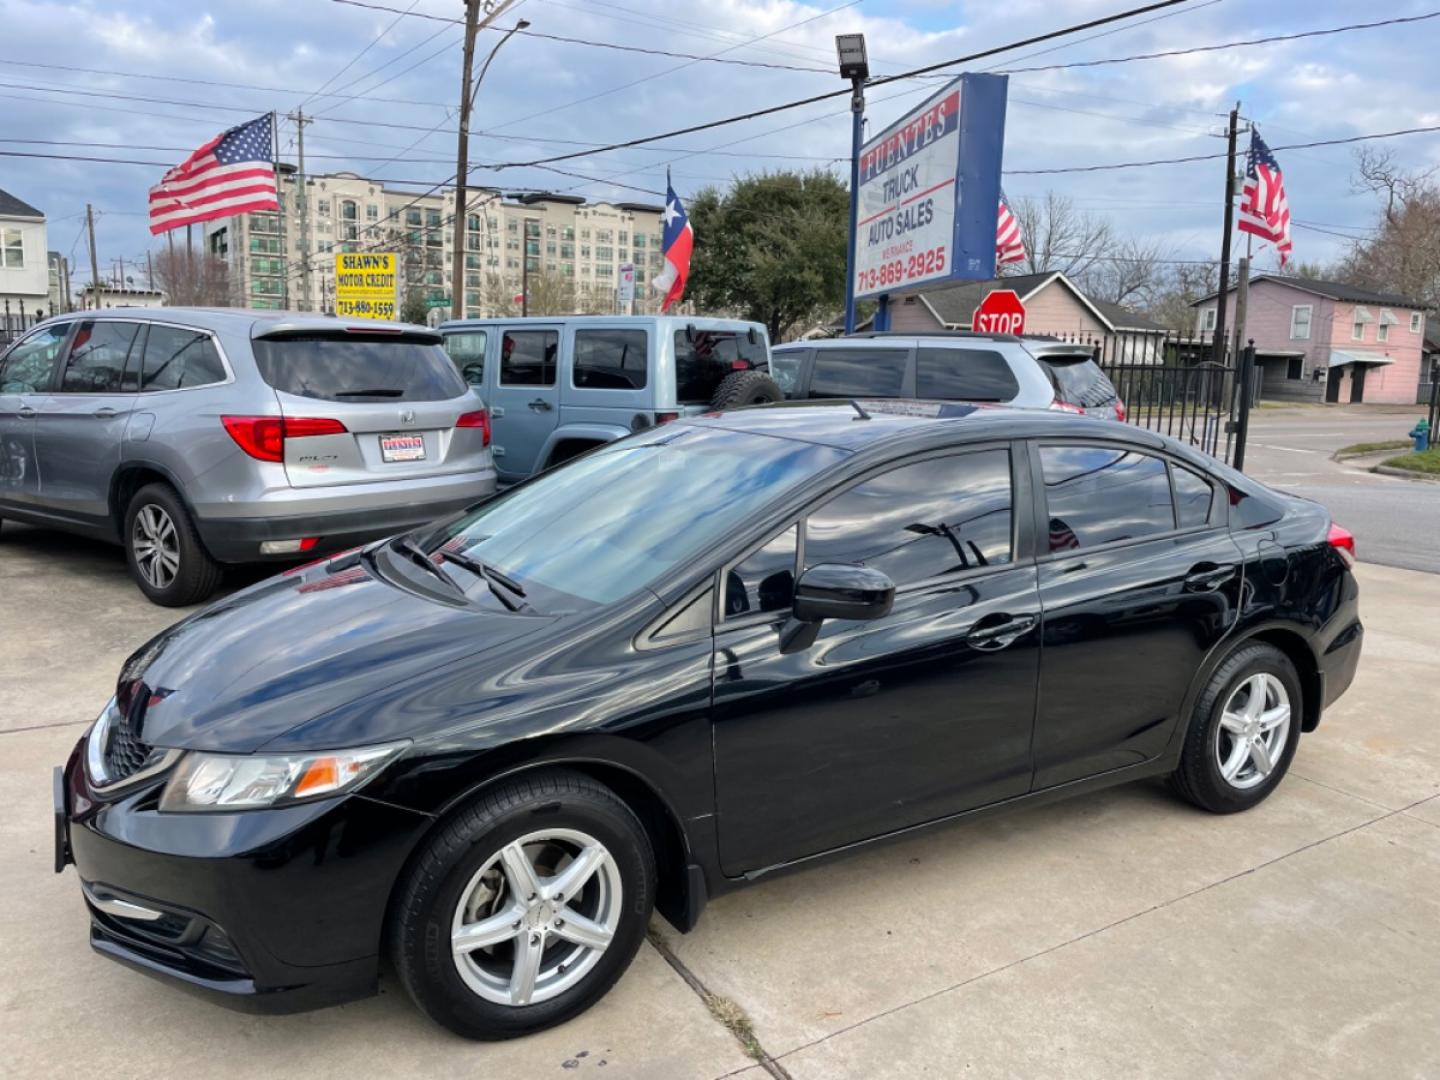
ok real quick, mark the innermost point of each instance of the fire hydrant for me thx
(1421, 434)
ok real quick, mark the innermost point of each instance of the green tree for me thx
(771, 249)
(412, 308)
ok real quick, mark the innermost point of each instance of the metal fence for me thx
(14, 322)
(1177, 386)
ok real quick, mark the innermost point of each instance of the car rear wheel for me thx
(524, 909)
(164, 552)
(1243, 733)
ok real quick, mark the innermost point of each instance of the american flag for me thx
(677, 242)
(231, 174)
(1263, 209)
(1009, 244)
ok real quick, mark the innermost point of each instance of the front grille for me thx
(126, 754)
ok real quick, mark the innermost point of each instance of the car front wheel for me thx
(164, 552)
(1243, 732)
(524, 909)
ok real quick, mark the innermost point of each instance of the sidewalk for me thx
(1118, 934)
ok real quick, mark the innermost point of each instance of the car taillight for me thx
(263, 437)
(1343, 541)
(1120, 413)
(1064, 406)
(478, 419)
(666, 417)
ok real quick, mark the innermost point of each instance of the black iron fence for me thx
(15, 321)
(1177, 386)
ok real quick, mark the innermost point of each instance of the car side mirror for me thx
(834, 591)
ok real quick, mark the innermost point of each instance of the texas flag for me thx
(676, 244)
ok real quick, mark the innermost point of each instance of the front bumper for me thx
(264, 911)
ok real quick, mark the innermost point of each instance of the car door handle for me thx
(540, 405)
(26, 412)
(105, 412)
(1000, 631)
(1207, 577)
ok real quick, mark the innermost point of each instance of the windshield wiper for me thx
(377, 391)
(492, 577)
(407, 547)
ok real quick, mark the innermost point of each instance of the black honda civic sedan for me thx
(721, 648)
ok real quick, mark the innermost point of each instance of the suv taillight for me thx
(1343, 541)
(1120, 412)
(263, 437)
(1064, 406)
(480, 418)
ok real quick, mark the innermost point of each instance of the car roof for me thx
(258, 323)
(893, 420)
(679, 322)
(895, 340)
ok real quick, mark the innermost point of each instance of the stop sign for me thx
(1001, 312)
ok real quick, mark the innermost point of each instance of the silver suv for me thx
(198, 437)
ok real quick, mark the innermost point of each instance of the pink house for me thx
(1325, 341)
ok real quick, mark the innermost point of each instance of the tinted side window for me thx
(765, 581)
(704, 357)
(848, 373)
(1097, 495)
(964, 375)
(467, 350)
(176, 358)
(611, 359)
(1081, 382)
(26, 368)
(1192, 498)
(96, 363)
(785, 368)
(920, 521)
(527, 357)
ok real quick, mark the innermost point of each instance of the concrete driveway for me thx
(1118, 934)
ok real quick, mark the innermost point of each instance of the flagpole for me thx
(280, 211)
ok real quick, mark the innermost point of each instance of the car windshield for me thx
(704, 357)
(358, 367)
(619, 518)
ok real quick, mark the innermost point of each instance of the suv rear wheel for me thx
(741, 388)
(165, 555)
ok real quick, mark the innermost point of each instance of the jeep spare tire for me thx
(746, 388)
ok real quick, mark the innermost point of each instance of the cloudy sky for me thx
(147, 80)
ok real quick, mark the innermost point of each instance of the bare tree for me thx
(1170, 302)
(1403, 256)
(192, 279)
(1133, 274)
(1058, 236)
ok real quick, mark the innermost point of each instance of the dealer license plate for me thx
(402, 448)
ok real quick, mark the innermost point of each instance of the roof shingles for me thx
(12, 207)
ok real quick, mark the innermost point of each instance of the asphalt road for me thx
(1396, 522)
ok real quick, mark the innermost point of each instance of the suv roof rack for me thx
(933, 333)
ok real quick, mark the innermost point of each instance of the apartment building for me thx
(545, 238)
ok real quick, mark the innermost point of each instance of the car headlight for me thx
(250, 781)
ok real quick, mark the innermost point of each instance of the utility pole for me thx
(300, 119)
(473, 25)
(94, 261)
(149, 273)
(65, 283)
(1218, 352)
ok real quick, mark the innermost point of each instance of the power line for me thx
(358, 56)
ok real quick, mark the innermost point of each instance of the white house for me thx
(24, 270)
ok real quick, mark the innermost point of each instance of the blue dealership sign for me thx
(929, 191)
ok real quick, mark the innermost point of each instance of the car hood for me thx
(250, 668)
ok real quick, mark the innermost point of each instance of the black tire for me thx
(196, 577)
(741, 388)
(1199, 779)
(437, 879)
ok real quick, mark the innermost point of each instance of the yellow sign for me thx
(365, 284)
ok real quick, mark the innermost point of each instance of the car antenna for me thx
(856, 406)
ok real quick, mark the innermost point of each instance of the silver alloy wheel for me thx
(156, 545)
(536, 917)
(1253, 728)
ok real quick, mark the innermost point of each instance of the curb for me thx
(1406, 474)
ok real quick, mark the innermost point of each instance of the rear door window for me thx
(611, 359)
(1101, 495)
(1079, 381)
(964, 375)
(527, 357)
(785, 368)
(97, 357)
(704, 357)
(1192, 498)
(467, 350)
(356, 367)
(26, 369)
(850, 373)
(176, 358)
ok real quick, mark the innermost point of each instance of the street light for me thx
(468, 91)
(854, 66)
